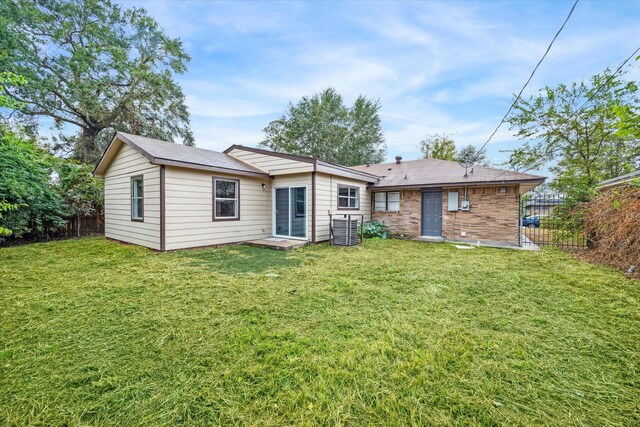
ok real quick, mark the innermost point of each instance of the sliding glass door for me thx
(290, 212)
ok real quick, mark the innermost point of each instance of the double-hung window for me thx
(386, 201)
(348, 197)
(137, 198)
(380, 201)
(226, 194)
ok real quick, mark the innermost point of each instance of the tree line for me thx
(93, 67)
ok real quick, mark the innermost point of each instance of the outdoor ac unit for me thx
(465, 205)
(345, 232)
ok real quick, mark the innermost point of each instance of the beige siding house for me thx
(167, 196)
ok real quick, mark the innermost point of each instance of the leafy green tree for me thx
(473, 156)
(8, 79)
(92, 65)
(629, 114)
(438, 146)
(321, 126)
(5, 207)
(34, 206)
(82, 194)
(583, 148)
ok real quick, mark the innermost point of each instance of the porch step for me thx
(276, 243)
(430, 239)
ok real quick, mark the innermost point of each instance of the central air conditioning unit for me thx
(346, 231)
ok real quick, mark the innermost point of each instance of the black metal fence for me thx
(549, 220)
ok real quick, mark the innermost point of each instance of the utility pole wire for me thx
(529, 80)
(578, 111)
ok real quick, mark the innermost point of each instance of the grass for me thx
(393, 333)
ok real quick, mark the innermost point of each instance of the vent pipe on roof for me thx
(398, 160)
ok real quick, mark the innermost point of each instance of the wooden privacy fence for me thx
(82, 226)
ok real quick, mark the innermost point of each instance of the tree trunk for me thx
(85, 147)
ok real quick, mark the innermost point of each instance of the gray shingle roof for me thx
(432, 172)
(161, 150)
(620, 179)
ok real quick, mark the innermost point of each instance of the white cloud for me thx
(436, 67)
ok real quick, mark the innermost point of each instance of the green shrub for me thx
(374, 229)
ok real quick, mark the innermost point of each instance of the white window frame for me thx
(384, 196)
(236, 199)
(273, 212)
(380, 195)
(389, 201)
(349, 197)
(137, 216)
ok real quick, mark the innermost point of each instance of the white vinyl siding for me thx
(126, 164)
(327, 201)
(273, 165)
(189, 210)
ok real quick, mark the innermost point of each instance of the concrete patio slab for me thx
(277, 243)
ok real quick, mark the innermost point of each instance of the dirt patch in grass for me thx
(391, 333)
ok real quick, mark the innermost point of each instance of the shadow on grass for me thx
(242, 259)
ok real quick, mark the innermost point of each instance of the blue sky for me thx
(435, 66)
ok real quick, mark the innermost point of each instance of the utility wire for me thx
(578, 111)
(528, 81)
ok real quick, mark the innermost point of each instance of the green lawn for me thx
(392, 333)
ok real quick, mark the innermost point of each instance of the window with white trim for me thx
(225, 198)
(386, 201)
(393, 201)
(380, 201)
(348, 197)
(137, 198)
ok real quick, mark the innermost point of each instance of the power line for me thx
(529, 80)
(600, 87)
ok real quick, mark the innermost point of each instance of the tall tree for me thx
(90, 64)
(438, 146)
(321, 126)
(584, 148)
(472, 156)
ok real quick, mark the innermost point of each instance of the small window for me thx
(393, 201)
(137, 198)
(225, 199)
(348, 197)
(380, 201)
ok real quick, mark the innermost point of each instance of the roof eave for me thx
(199, 166)
(536, 181)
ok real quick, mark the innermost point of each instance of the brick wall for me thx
(406, 222)
(493, 216)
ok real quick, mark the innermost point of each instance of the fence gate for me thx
(547, 220)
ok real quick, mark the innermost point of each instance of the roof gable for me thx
(167, 153)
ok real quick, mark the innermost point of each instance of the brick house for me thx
(434, 199)
(167, 196)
